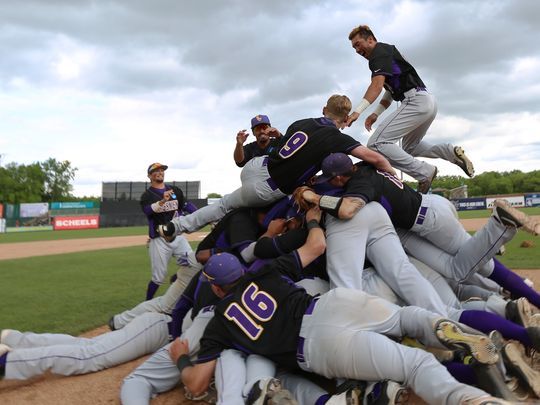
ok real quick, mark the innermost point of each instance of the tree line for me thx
(491, 183)
(37, 182)
(51, 181)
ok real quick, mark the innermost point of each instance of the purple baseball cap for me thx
(260, 119)
(222, 269)
(334, 165)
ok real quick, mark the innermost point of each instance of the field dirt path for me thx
(104, 387)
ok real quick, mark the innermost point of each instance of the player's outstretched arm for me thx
(374, 158)
(316, 241)
(339, 207)
(196, 377)
(238, 155)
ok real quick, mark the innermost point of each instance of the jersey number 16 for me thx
(257, 306)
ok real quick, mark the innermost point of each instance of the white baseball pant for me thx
(161, 251)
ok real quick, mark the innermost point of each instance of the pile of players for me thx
(344, 288)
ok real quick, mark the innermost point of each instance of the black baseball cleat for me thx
(512, 217)
(167, 232)
(386, 392)
(490, 379)
(263, 390)
(111, 323)
(519, 311)
(479, 346)
(517, 364)
(463, 161)
(351, 392)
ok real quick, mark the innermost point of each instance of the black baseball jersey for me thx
(270, 248)
(400, 75)
(400, 201)
(233, 232)
(168, 211)
(252, 150)
(262, 315)
(303, 148)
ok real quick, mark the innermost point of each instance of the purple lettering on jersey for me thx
(259, 304)
(295, 142)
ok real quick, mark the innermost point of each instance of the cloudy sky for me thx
(113, 86)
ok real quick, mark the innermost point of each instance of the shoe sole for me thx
(515, 217)
(525, 311)
(464, 162)
(518, 364)
(480, 347)
(273, 385)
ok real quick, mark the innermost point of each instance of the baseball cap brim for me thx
(323, 178)
(155, 166)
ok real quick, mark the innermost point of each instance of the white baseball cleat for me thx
(463, 161)
(512, 217)
(515, 362)
(519, 311)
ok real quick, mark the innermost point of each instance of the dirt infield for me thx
(104, 387)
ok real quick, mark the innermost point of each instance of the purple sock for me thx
(322, 399)
(461, 372)
(510, 281)
(3, 359)
(486, 322)
(151, 290)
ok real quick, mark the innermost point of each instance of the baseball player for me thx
(161, 203)
(410, 121)
(263, 144)
(25, 355)
(263, 313)
(267, 179)
(430, 216)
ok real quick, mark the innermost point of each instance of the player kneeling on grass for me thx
(264, 313)
(24, 355)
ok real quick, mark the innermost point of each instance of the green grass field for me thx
(75, 292)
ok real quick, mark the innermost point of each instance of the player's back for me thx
(305, 144)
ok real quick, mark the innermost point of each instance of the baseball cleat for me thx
(111, 323)
(348, 393)
(512, 217)
(167, 232)
(463, 161)
(259, 393)
(519, 311)
(387, 392)
(479, 346)
(534, 334)
(516, 363)
(490, 379)
(425, 185)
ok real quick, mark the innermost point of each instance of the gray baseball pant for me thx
(346, 250)
(254, 192)
(161, 251)
(33, 354)
(158, 373)
(345, 337)
(410, 123)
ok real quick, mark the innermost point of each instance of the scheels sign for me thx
(79, 222)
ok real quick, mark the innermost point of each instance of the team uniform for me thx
(252, 150)
(410, 121)
(270, 316)
(34, 354)
(266, 179)
(432, 217)
(159, 249)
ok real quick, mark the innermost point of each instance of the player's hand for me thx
(241, 136)
(370, 121)
(299, 197)
(353, 117)
(313, 213)
(177, 348)
(272, 132)
(167, 195)
(276, 227)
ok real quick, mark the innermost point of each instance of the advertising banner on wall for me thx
(71, 205)
(32, 210)
(1, 210)
(78, 222)
(464, 204)
(532, 200)
(515, 201)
